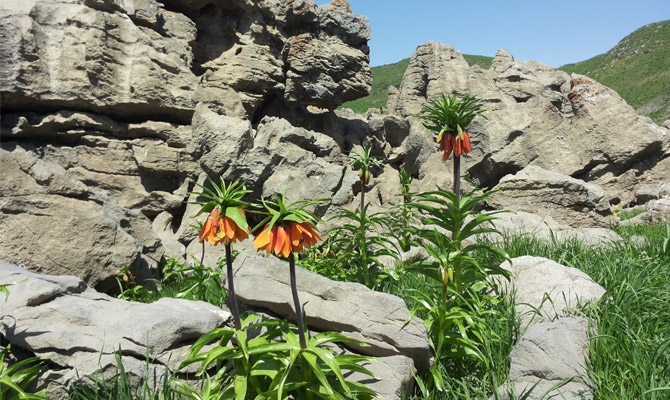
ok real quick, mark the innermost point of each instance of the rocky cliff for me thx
(111, 108)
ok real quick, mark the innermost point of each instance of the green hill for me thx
(391, 75)
(638, 68)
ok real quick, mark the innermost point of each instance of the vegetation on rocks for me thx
(637, 69)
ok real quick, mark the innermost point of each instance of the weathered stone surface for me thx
(78, 329)
(546, 290)
(63, 228)
(567, 200)
(655, 211)
(546, 228)
(547, 354)
(350, 308)
(394, 376)
(536, 115)
(146, 60)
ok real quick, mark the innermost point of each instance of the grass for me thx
(630, 355)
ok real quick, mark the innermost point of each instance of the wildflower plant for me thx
(456, 322)
(226, 224)
(364, 161)
(359, 242)
(449, 117)
(287, 230)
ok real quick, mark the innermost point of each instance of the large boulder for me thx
(550, 357)
(79, 330)
(545, 290)
(567, 200)
(112, 109)
(378, 319)
(151, 60)
(59, 226)
(548, 362)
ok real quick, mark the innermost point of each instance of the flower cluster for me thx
(283, 240)
(459, 144)
(222, 228)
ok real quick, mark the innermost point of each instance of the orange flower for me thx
(283, 241)
(222, 229)
(460, 144)
(210, 228)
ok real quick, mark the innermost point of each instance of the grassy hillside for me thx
(391, 75)
(638, 68)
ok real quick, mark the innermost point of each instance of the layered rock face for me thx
(535, 115)
(112, 108)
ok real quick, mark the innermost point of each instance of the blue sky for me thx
(552, 32)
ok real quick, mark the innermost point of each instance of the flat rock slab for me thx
(78, 329)
(379, 319)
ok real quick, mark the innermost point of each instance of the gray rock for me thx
(78, 329)
(552, 356)
(350, 308)
(545, 228)
(567, 200)
(655, 211)
(536, 115)
(545, 290)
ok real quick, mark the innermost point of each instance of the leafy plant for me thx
(402, 216)
(192, 282)
(275, 364)
(364, 161)
(227, 223)
(287, 230)
(456, 322)
(122, 387)
(359, 241)
(17, 377)
(130, 290)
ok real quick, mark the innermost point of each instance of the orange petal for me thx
(278, 239)
(458, 146)
(263, 239)
(447, 146)
(295, 233)
(467, 146)
(240, 234)
(229, 227)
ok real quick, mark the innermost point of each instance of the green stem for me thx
(457, 177)
(362, 192)
(232, 299)
(296, 302)
(363, 248)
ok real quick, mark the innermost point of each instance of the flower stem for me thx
(457, 177)
(296, 302)
(232, 299)
(362, 194)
